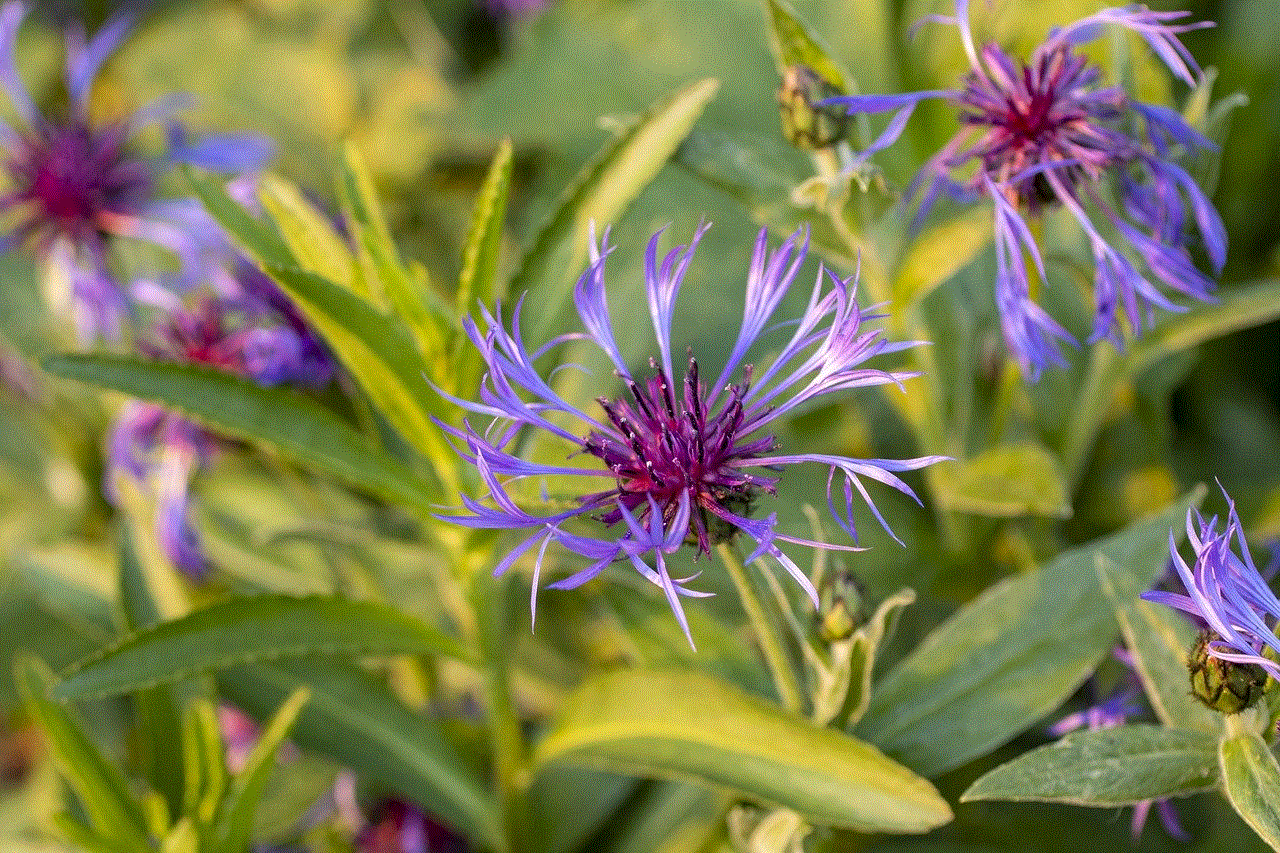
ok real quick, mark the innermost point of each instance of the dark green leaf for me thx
(293, 425)
(1251, 778)
(245, 630)
(1011, 656)
(358, 722)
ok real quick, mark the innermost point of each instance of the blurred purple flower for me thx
(396, 826)
(75, 185)
(1115, 710)
(1047, 132)
(1225, 592)
(245, 335)
(677, 460)
(515, 8)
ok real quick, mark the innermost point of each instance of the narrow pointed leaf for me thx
(256, 238)
(244, 630)
(285, 421)
(1251, 781)
(478, 280)
(98, 784)
(374, 348)
(604, 189)
(794, 43)
(1106, 767)
(691, 725)
(1011, 656)
(311, 239)
(359, 722)
(234, 823)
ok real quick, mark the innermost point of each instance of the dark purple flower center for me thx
(68, 176)
(674, 446)
(199, 336)
(1050, 113)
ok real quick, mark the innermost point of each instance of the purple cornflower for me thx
(1115, 710)
(396, 826)
(74, 185)
(1226, 592)
(1047, 132)
(241, 334)
(677, 460)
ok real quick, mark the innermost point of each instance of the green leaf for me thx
(936, 255)
(408, 290)
(1251, 778)
(602, 191)
(1236, 308)
(234, 822)
(479, 278)
(283, 420)
(795, 44)
(569, 804)
(244, 630)
(204, 764)
(256, 238)
(358, 722)
(98, 784)
(1007, 481)
(1012, 655)
(1158, 639)
(312, 241)
(375, 349)
(689, 724)
(1106, 767)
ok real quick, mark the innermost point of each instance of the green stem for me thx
(784, 677)
(1088, 413)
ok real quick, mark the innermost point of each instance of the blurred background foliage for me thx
(424, 90)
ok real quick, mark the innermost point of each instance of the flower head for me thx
(74, 185)
(1047, 132)
(674, 459)
(1225, 592)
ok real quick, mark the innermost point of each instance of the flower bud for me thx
(804, 125)
(1224, 686)
(841, 607)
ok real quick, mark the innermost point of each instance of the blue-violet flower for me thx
(1226, 592)
(677, 460)
(1047, 132)
(73, 184)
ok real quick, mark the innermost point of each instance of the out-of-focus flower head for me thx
(1047, 132)
(395, 826)
(75, 184)
(1113, 710)
(515, 8)
(1226, 593)
(677, 460)
(244, 334)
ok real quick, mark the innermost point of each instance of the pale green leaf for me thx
(311, 239)
(1011, 656)
(280, 419)
(1251, 779)
(601, 193)
(256, 238)
(358, 722)
(1007, 481)
(1158, 638)
(689, 724)
(478, 279)
(244, 630)
(1106, 767)
(937, 254)
(795, 44)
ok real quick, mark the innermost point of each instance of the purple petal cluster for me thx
(248, 334)
(1226, 592)
(1047, 132)
(673, 460)
(1113, 710)
(74, 185)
